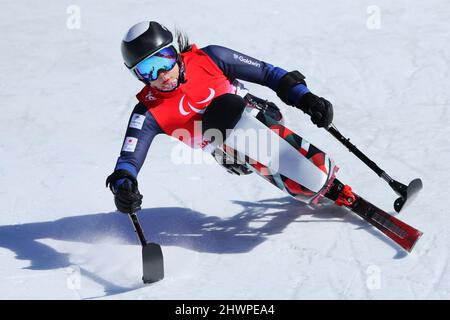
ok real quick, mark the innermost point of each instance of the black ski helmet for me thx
(144, 39)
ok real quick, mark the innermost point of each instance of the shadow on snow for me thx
(173, 226)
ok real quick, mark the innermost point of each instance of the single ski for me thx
(401, 233)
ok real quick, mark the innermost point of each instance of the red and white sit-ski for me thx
(308, 174)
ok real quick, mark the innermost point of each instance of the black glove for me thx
(126, 194)
(320, 109)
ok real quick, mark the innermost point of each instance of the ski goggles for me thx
(149, 68)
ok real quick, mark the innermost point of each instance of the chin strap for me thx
(181, 78)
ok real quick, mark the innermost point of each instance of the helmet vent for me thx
(136, 30)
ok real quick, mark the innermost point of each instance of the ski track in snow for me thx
(223, 237)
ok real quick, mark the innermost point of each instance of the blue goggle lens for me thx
(163, 60)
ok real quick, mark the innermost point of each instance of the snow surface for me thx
(66, 98)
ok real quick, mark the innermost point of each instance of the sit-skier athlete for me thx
(185, 84)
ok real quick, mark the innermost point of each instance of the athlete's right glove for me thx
(320, 109)
(124, 186)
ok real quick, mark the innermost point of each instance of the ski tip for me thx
(413, 243)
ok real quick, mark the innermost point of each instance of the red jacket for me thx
(179, 112)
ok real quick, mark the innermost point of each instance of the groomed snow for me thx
(66, 98)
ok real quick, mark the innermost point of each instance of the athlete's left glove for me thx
(124, 186)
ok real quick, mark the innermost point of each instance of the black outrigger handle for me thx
(400, 189)
(138, 228)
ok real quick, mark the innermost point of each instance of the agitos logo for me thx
(183, 111)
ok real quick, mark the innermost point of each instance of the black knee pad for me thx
(223, 113)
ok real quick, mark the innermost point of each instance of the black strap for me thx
(288, 81)
(117, 175)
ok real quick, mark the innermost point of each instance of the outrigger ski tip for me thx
(153, 263)
(152, 256)
(407, 193)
